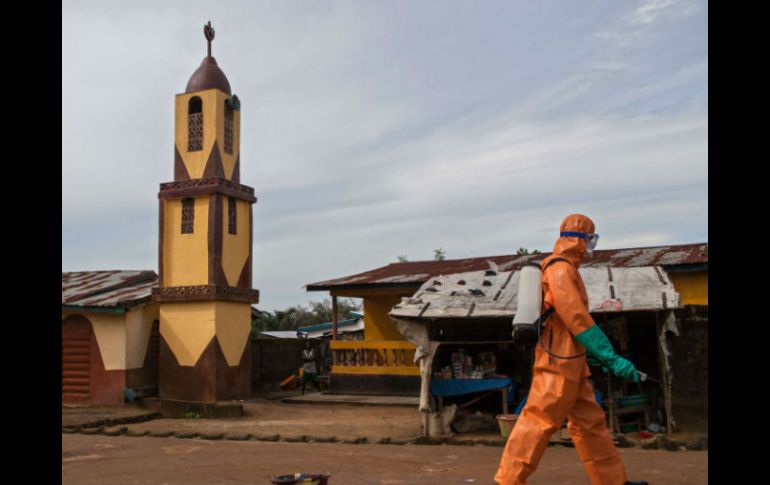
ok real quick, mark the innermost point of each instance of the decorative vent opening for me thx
(195, 125)
(188, 215)
(228, 128)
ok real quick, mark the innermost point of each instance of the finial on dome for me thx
(208, 32)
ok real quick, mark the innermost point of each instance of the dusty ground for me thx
(295, 420)
(270, 419)
(123, 460)
(83, 415)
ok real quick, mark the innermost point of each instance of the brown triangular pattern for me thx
(214, 164)
(220, 279)
(244, 279)
(233, 382)
(210, 379)
(185, 383)
(180, 170)
(237, 170)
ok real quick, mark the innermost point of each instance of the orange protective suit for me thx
(560, 387)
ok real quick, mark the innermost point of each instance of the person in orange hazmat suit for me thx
(560, 388)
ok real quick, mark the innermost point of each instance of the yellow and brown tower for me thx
(205, 291)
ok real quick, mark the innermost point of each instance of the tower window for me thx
(195, 124)
(228, 128)
(231, 214)
(188, 215)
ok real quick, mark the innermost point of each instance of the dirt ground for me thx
(293, 420)
(98, 459)
(85, 415)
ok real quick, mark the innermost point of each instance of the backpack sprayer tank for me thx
(529, 301)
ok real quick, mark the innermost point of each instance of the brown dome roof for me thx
(208, 76)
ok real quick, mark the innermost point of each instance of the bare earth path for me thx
(269, 417)
(99, 459)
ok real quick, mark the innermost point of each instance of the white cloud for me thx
(650, 10)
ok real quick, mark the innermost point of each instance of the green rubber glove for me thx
(598, 345)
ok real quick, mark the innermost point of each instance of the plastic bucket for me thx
(506, 422)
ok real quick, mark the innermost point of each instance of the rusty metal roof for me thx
(413, 274)
(107, 288)
(494, 294)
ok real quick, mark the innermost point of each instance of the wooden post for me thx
(664, 374)
(505, 400)
(334, 317)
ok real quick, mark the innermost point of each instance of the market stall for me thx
(475, 310)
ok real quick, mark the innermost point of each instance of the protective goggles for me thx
(590, 239)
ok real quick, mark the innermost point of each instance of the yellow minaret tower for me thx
(205, 292)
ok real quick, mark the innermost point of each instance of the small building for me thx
(383, 362)
(109, 336)
(283, 334)
(461, 325)
(350, 329)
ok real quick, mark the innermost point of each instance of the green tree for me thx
(403, 259)
(439, 254)
(262, 322)
(298, 316)
(523, 251)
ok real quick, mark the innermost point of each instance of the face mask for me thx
(591, 241)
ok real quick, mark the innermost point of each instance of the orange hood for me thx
(573, 248)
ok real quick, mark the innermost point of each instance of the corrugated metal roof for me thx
(411, 274)
(327, 325)
(107, 288)
(478, 294)
(280, 334)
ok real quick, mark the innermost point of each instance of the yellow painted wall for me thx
(693, 287)
(228, 161)
(377, 323)
(122, 339)
(235, 247)
(185, 256)
(138, 328)
(213, 101)
(189, 327)
(375, 370)
(110, 332)
(233, 328)
(377, 304)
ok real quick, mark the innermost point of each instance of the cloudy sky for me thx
(375, 129)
